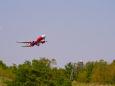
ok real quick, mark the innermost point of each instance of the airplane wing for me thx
(23, 42)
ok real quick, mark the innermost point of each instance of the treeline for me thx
(42, 73)
(7, 72)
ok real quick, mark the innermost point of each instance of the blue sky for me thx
(76, 30)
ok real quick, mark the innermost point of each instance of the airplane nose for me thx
(43, 36)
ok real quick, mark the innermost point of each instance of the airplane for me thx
(35, 42)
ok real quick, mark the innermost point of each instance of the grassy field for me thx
(88, 84)
(74, 83)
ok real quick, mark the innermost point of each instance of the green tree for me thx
(82, 76)
(110, 77)
(39, 73)
(70, 70)
(99, 72)
(89, 68)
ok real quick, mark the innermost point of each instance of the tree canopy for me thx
(42, 73)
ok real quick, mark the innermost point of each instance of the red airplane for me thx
(35, 42)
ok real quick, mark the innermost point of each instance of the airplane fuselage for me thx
(35, 42)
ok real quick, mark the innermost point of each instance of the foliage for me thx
(92, 72)
(42, 73)
(6, 71)
(39, 73)
(89, 67)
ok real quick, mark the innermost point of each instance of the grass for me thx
(74, 83)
